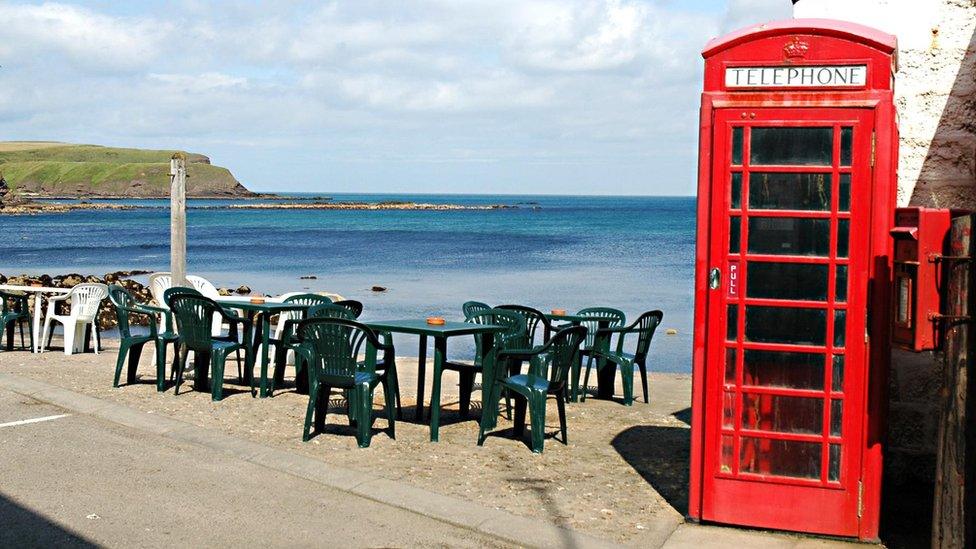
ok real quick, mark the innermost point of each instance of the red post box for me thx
(920, 240)
(796, 198)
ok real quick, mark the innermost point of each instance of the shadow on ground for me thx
(661, 456)
(25, 528)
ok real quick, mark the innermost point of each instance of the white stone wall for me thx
(935, 90)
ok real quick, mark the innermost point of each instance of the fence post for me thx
(954, 509)
(177, 219)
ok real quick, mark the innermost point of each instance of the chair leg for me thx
(181, 354)
(537, 418)
(135, 353)
(627, 379)
(69, 338)
(240, 367)
(8, 329)
(217, 362)
(561, 408)
(23, 343)
(364, 414)
(160, 365)
(123, 350)
(586, 379)
(643, 374)
(394, 381)
(390, 396)
(310, 411)
(95, 336)
(47, 333)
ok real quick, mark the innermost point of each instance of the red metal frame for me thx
(781, 502)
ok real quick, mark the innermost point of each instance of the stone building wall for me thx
(935, 90)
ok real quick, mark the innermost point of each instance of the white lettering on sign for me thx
(833, 76)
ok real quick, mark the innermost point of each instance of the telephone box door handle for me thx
(714, 278)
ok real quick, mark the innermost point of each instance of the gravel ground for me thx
(624, 467)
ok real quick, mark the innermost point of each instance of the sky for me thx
(420, 96)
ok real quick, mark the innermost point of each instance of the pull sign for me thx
(733, 279)
(821, 76)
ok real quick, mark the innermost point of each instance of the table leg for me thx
(421, 375)
(440, 352)
(37, 322)
(606, 379)
(248, 338)
(265, 335)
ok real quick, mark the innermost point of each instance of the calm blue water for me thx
(633, 253)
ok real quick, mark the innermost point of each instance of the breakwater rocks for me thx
(106, 314)
(40, 207)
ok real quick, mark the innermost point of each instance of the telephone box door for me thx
(788, 363)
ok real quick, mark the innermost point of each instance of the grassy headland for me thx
(47, 169)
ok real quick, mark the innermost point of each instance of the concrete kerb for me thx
(499, 524)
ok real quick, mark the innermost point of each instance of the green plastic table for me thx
(263, 312)
(605, 377)
(440, 334)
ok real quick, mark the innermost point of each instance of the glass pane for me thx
(787, 458)
(787, 281)
(783, 414)
(727, 453)
(786, 325)
(730, 365)
(732, 323)
(842, 234)
(840, 327)
(789, 236)
(833, 470)
(789, 191)
(846, 138)
(736, 191)
(844, 200)
(840, 293)
(837, 374)
(737, 146)
(782, 369)
(728, 410)
(792, 146)
(836, 417)
(735, 227)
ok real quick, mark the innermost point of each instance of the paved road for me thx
(78, 481)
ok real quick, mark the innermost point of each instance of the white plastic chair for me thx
(160, 282)
(85, 301)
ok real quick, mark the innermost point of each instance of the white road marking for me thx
(34, 420)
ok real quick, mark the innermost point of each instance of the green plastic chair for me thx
(644, 327)
(15, 311)
(356, 307)
(232, 337)
(290, 341)
(194, 318)
(285, 341)
(513, 337)
(532, 390)
(471, 309)
(131, 345)
(594, 341)
(330, 349)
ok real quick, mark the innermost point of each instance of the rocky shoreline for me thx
(35, 207)
(106, 315)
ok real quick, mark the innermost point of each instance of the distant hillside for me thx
(63, 169)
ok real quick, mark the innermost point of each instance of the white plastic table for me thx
(38, 291)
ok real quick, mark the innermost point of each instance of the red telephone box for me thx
(796, 199)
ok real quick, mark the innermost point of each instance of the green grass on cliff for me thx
(89, 170)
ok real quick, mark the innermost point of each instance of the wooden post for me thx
(177, 219)
(954, 510)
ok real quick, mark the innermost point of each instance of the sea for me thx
(635, 253)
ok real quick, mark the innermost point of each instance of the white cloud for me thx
(285, 88)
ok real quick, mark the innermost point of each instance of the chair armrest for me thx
(61, 297)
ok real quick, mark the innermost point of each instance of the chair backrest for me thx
(204, 286)
(616, 318)
(330, 310)
(472, 308)
(121, 298)
(178, 290)
(308, 300)
(355, 307)
(194, 318)
(513, 336)
(334, 344)
(533, 317)
(86, 299)
(647, 324)
(12, 303)
(158, 284)
(564, 348)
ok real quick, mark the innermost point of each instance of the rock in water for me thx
(243, 290)
(671, 331)
(378, 288)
